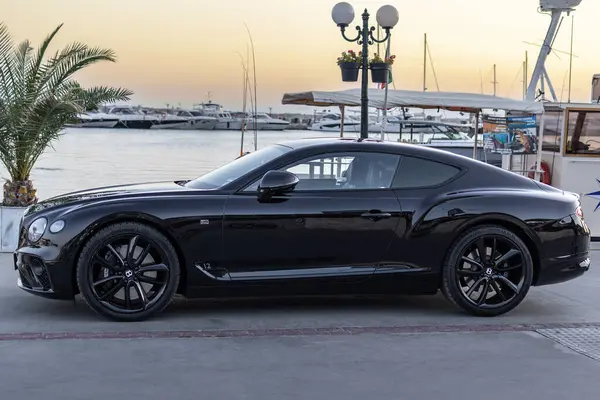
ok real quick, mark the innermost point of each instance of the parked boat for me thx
(332, 122)
(264, 122)
(95, 120)
(196, 121)
(440, 135)
(166, 120)
(224, 119)
(130, 118)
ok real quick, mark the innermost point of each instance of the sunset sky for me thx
(176, 51)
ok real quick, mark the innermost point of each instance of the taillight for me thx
(579, 212)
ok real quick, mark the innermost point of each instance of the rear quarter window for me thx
(416, 172)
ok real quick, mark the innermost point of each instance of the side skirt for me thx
(221, 274)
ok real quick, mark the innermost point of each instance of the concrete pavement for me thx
(304, 349)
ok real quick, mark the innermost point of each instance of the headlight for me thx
(37, 229)
(57, 226)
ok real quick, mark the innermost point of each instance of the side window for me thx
(419, 173)
(343, 171)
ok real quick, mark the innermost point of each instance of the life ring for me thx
(545, 176)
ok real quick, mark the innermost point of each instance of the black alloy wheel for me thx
(128, 272)
(488, 272)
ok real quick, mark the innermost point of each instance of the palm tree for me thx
(38, 97)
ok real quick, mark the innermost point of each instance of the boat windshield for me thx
(237, 168)
(451, 133)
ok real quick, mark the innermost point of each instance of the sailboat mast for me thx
(425, 64)
(571, 56)
(244, 101)
(495, 81)
(525, 76)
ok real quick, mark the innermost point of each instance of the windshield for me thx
(451, 132)
(237, 168)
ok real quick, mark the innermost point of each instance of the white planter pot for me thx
(10, 219)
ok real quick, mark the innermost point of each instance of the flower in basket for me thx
(349, 56)
(378, 60)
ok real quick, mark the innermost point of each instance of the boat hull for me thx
(266, 126)
(193, 125)
(99, 123)
(170, 125)
(229, 126)
(135, 124)
(335, 128)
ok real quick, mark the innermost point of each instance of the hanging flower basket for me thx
(350, 71)
(380, 72)
(380, 69)
(349, 63)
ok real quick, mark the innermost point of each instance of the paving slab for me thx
(494, 366)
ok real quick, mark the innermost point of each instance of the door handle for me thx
(376, 216)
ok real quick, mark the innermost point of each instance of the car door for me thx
(337, 223)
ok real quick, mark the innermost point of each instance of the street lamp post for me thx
(387, 17)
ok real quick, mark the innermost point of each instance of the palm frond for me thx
(37, 61)
(73, 59)
(6, 42)
(95, 96)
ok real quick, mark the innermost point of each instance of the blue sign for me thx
(520, 137)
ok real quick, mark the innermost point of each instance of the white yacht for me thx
(131, 118)
(332, 122)
(196, 121)
(264, 122)
(224, 119)
(94, 120)
(165, 119)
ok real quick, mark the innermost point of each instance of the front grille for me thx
(33, 273)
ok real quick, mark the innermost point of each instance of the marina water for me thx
(91, 157)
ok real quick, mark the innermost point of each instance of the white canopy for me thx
(466, 102)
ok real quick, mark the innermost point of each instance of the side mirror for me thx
(275, 183)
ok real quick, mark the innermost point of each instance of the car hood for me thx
(108, 191)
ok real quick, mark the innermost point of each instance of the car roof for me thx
(346, 144)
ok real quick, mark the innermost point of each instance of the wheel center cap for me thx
(128, 273)
(489, 271)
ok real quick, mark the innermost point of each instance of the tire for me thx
(130, 273)
(499, 279)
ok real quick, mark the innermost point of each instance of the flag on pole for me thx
(387, 55)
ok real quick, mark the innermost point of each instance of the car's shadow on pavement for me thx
(26, 313)
(33, 307)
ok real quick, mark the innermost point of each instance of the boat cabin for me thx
(570, 137)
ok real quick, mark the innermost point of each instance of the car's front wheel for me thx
(128, 272)
(488, 271)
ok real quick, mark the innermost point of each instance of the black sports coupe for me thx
(308, 217)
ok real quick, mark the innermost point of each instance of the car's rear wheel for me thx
(488, 271)
(128, 272)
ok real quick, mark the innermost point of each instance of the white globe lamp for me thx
(342, 14)
(388, 17)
